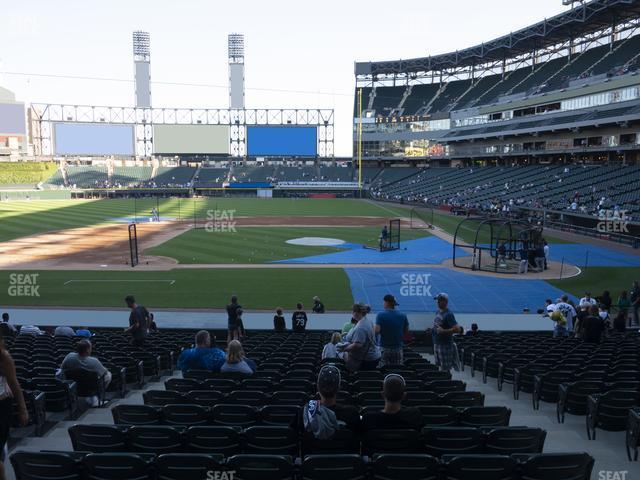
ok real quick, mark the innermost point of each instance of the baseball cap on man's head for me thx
(361, 307)
(329, 381)
(388, 298)
(441, 296)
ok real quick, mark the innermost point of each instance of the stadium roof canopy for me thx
(575, 23)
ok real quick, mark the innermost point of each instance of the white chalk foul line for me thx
(170, 282)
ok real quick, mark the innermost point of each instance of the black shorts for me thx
(233, 326)
(6, 408)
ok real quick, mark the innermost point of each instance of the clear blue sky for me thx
(290, 45)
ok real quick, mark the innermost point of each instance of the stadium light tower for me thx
(236, 71)
(142, 62)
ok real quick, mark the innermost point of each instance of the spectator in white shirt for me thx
(567, 310)
(329, 350)
(588, 299)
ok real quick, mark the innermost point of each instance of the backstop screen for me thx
(282, 140)
(191, 139)
(93, 139)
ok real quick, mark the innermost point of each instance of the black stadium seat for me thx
(156, 439)
(234, 415)
(485, 417)
(115, 466)
(480, 467)
(271, 440)
(259, 467)
(546, 466)
(181, 466)
(391, 441)
(334, 467)
(391, 466)
(97, 438)
(509, 440)
(452, 440)
(136, 415)
(213, 439)
(185, 414)
(45, 466)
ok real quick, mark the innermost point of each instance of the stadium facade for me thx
(566, 89)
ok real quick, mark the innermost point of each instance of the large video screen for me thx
(191, 139)
(93, 139)
(12, 118)
(282, 140)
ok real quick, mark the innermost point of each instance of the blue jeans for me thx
(560, 332)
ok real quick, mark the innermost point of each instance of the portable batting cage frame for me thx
(133, 244)
(496, 244)
(393, 239)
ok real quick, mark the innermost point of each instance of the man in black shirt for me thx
(233, 324)
(299, 319)
(278, 321)
(593, 326)
(635, 302)
(318, 306)
(393, 415)
(138, 321)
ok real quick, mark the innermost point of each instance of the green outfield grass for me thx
(198, 288)
(263, 244)
(598, 279)
(22, 218)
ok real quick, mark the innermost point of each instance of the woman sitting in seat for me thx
(236, 361)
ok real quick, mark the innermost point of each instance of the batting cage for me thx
(392, 239)
(496, 245)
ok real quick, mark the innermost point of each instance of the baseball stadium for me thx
(217, 293)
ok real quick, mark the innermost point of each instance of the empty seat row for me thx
(123, 466)
(258, 398)
(283, 440)
(244, 415)
(266, 381)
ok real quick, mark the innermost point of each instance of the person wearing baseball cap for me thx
(444, 326)
(328, 385)
(391, 325)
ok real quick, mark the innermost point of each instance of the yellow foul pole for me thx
(360, 138)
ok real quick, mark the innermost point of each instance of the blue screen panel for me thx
(93, 139)
(282, 140)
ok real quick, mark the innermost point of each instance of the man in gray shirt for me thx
(83, 360)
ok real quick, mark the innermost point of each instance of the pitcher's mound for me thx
(316, 241)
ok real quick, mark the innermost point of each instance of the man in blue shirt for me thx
(391, 325)
(444, 326)
(203, 357)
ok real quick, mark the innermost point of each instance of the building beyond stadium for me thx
(566, 89)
